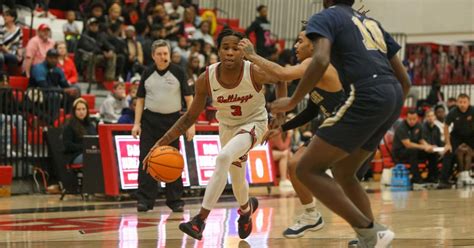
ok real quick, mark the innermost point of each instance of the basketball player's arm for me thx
(401, 74)
(288, 73)
(189, 118)
(314, 73)
(310, 112)
(281, 91)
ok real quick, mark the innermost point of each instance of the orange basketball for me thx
(165, 164)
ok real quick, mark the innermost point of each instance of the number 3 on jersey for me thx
(373, 36)
(236, 110)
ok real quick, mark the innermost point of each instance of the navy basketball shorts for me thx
(369, 111)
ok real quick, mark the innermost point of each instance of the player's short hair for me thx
(412, 111)
(228, 32)
(348, 2)
(464, 95)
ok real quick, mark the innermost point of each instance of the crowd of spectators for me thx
(428, 63)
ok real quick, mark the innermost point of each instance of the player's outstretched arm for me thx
(314, 73)
(401, 74)
(281, 73)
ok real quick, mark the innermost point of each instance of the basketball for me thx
(165, 164)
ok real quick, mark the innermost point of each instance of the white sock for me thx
(310, 207)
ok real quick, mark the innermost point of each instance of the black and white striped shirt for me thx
(12, 40)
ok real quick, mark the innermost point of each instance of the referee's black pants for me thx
(154, 126)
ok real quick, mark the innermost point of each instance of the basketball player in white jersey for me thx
(235, 88)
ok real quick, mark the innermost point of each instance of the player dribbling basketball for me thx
(235, 88)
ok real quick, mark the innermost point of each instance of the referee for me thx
(162, 90)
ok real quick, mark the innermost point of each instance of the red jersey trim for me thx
(256, 86)
(235, 84)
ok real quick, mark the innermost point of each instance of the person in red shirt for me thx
(66, 64)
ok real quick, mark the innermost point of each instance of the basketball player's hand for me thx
(247, 47)
(282, 105)
(136, 131)
(190, 133)
(277, 121)
(145, 160)
(270, 134)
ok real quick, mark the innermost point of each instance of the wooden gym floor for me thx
(429, 218)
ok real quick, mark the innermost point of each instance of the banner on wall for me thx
(206, 149)
(128, 151)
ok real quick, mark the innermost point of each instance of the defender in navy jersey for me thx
(376, 82)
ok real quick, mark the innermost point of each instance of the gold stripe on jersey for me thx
(340, 113)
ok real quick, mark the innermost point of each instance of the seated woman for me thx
(75, 129)
(66, 64)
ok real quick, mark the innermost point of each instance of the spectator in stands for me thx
(120, 49)
(48, 74)
(132, 93)
(143, 31)
(409, 146)
(460, 141)
(11, 38)
(37, 48)
(115, 17)
(135, 53)
(183, 49)
(193, 70)
(177, 59)
(66, 64)
(204, 33)
(157, 32)
(196, 51)
(187, 26)
(451, 103)
(97, 8)
(175, 10)
(440, 113)
(157, 14)
(128, 114)
(112, 107)
(173, 30)
(435, 96)
(75, 129)
(281, 153)
(132, 12)
(213, 58)
(261, 28)
(94, 49)
(432, 135)
(71, 30)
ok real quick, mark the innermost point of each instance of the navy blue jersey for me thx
(360, 46)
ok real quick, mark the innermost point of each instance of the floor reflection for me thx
(221, 230)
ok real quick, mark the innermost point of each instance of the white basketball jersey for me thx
(239, 104)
